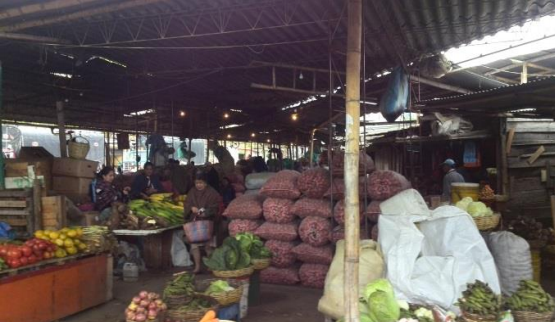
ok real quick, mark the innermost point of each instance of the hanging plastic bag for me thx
(180, 255)
(395, 100)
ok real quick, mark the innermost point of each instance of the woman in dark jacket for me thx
(106, 194)
(146, 183)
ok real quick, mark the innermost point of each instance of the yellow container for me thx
(536, 265)
(460, 190)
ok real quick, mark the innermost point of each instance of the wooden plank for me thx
(526, 184)
(15, 222)
(525, 151)
(518, 163)
(15, 193)
(13, 203)
(510, 137)
(552, 198)
(54, 212)
(536, 155)
(526, 198)
(534, 127)
(15, 212)
(37, 205)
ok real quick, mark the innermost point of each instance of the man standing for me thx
(451, 176)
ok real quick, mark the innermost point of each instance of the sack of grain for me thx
(282, 232)
(307, 253)
(245, 207)
(237, 226)
(313, 275)
(315, 231)
(337, 189)
(314, 183)
(339, 212)
(338, 166)
(255, 181)
(385, 184)
(312, 207)
(280, 276)
(282, 255)
(278, 211)
(373, 211)
(282, 185)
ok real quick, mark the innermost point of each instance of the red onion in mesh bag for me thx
(239, 187)
(237, 226)
(337, 234)
(375, 232)
(315, 231)
(278, 211)
(282, 255)
(282, 232)
(338, 162)
(339, 212)
(313, 275)
(385, 184)
(245, 207)
(282, 185)
(312, 207)
(373, 211)
(307, 253)
(337, 189)
(280, 276)
(313, 183)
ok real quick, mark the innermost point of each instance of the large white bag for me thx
(513, 259)
(371, 267)
(430, 259)
(255, 181)
(180, 255)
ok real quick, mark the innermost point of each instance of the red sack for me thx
(237, 226)
(373, 211)
(239, 187)
(282, 255)
(337, 234)
(314, 183)
(315, 231)
(337, 189)
(312, 207)
(314, 255)
(280, 276)
(338, 165)
(282, 232)
(282, 185)
(339, 212)
(278, 211)
(313, 275)
(385, 184)
(245, 207)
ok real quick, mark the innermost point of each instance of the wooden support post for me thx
(37, 204)
(312, 147)
(352, 129)
(510, 138)
(62, 128)
(553, 210)
(2, 178)
(504, 163)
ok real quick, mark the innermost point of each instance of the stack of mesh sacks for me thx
(294, 209)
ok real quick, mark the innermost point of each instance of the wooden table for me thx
(155, 245)
(56, 290)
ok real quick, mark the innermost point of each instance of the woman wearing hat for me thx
(451, 176)
(203, 202)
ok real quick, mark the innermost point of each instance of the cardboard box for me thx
(22, 182)
(70, 185)
(18, 168)
(68, 167)
(54, 212)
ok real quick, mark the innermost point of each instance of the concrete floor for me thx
(277, 303)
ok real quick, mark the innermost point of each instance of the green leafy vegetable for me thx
(230, 256)
(382, 304)
(253, 245)
(217, 287)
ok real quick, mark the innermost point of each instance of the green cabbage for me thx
(382, 304)
(218, 287)
(378, 285)
(463, 203)
(478, 209)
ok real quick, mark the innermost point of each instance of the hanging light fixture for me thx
(268, 140)
(226, 115)
(295, 116)
(253, 135)
(229, 136)
(301, 77)
(182, 113)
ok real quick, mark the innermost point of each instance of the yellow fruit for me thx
(71, 250)
(79, 232)
(72, 233)
(63, 236)
(54, 235)
(82, 246)
(68, 242)
(60, 253)
(47, 232)
(39, 235)
(39, 232)
(59, 242)
(64, 230)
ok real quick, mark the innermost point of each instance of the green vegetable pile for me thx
(480, 299)
(530, 297)
(218, 287)
(253, 245)
(475, 209)
(195, 305)
(229, 257)
(379, 303)
(179, 286)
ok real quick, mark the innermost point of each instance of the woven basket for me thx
(523, 316)
(478, 318)
(174, 301)
(78, 150)
(487, 222)
(224, 298)
(193, 315)
(260, 264)
(234, 274)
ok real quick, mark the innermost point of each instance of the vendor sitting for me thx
(146, 183)
(106, 194)
(203, 203)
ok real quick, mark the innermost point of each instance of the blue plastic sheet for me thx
(395, 99)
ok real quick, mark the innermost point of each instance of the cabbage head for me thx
(383, 307)
(378, 285)
(463, 203)
(477, 209)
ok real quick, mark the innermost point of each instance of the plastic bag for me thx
(395, 99)
(385, 184)
(237, 226)
(180, 255)
(432, 263)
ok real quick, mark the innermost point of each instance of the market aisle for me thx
(277, 303)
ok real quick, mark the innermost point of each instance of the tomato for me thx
(3, 251)
(14, 253)
(27, 251)
(42, 245)
(24, 261)
(29, 243)
(32, 259)
(51, 248)
(15, 263)
(36, 248)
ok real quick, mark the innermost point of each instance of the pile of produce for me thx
(418, 313)
(382, 306)
(313, 275)
(282, 253)
(145, 307)
(69, 240)
(530, 297)
(253, 246)
(279, 211)
(245, 207)
(487, 193)
(229, 257)
(474, 208)
(314, 183)
(479, 299)
(237, 226)
(160, 211)
(306, 207)
(31, 252)
(99, 239)
(384, 184)
(218, 287)
(282, 185)
(531, 230)
(315, 231)
(282, 232)
(181, 285)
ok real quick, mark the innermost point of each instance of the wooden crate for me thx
(54, 212)
(17, 209)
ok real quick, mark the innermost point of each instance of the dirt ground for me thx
(276, 304)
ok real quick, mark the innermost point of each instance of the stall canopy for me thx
(234, 68)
